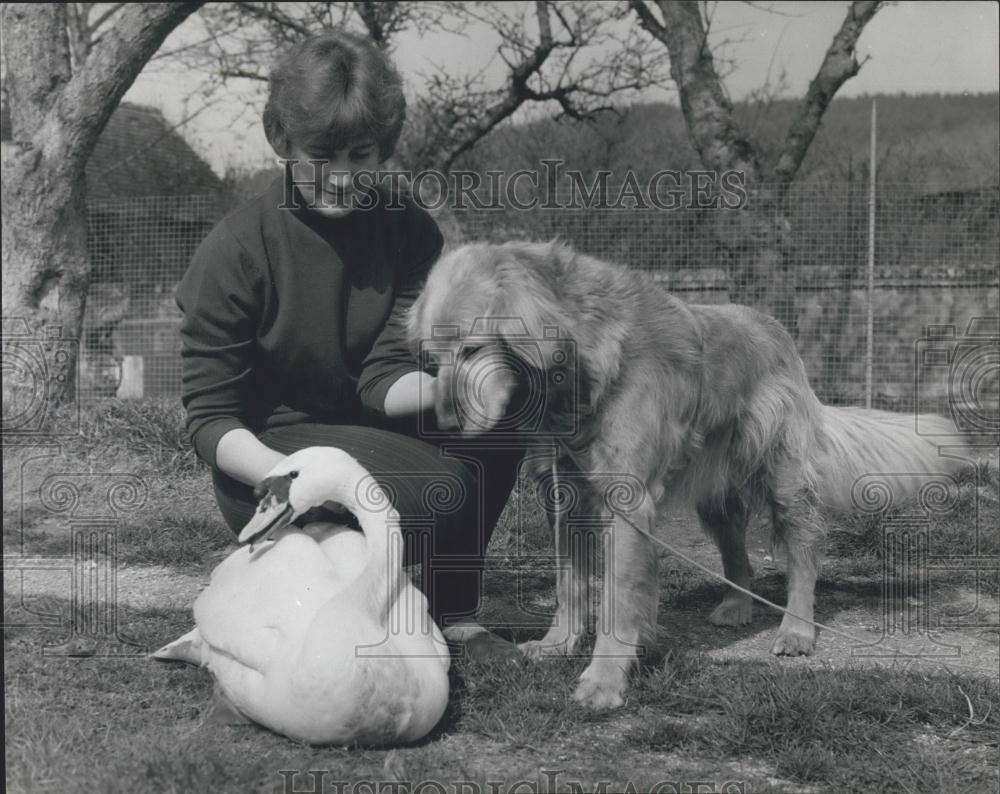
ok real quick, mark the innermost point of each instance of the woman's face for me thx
(327, 181)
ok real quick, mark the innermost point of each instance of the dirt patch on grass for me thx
(28, 579)
(931, 621)
(943, 626)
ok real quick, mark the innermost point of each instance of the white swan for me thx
(319, 635)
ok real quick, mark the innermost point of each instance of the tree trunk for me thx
(56, 117)
(761, 267)
(758, 237)
(46, 271)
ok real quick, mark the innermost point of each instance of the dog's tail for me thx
(859, 445)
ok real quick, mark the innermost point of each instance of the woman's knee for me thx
(449, 500)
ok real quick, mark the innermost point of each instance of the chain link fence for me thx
(140, 249)
(933, 275)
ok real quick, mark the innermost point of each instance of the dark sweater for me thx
(289, 316)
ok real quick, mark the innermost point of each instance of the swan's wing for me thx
(430, 641)
(437, 638)
(344, 547)
(444, 652)
(259, 604)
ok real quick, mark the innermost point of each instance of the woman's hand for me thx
(243, 457)
(411, 394)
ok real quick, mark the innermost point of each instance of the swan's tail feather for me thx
(860, 445)
(184, 649)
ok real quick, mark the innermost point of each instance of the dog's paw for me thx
(794, 642)
(547, 648)
(600, 693)
(540, 649)
(735, 610)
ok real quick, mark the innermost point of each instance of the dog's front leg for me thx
(627, 618)
(574, 556)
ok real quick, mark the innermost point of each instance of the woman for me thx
(293, 330)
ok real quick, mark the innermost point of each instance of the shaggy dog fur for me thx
(707, 404)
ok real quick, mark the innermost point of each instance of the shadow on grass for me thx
(853, 729)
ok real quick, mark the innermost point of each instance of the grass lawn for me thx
(710, 710)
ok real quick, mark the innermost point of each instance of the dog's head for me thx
(490, 322)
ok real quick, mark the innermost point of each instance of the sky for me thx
(914, 47)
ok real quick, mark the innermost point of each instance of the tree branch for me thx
(369, 13)
(649, 22)
(572, 56)
(270, 13)
(168, 130)
(709, 114)
(517, 90)
(112, 9)
(78, 32)
(91, 95)
(839, 65)
(244, 73)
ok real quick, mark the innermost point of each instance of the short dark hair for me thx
(331, 90)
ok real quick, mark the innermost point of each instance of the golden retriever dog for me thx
(707, 404)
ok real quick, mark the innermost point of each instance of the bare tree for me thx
(759, 238)
(242, 40)
(577, 57)
(571, 56)
(64, 76)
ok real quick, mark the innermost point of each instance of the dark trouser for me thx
(449, 499)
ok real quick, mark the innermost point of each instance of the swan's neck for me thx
(378, 586)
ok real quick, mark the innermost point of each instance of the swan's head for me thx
(311, 477)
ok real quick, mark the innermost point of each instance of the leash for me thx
(678, 553)
(556, 500)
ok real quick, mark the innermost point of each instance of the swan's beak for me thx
(272, 514)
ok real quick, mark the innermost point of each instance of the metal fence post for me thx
(870, 334)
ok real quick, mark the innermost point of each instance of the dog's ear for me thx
(524, 310)
(556, 275)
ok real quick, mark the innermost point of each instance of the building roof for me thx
(140, 154)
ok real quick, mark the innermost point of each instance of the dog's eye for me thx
(292, 475)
